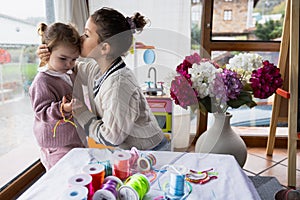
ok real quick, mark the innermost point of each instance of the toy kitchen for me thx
(160, 103)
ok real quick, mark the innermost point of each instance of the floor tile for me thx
(285, 162)
(280, 172)
(278, 154)
(256, 164)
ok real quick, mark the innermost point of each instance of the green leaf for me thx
(205, 104)
(247, 87)
(245, 98)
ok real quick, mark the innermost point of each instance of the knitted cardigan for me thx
(46, 93)
(120, 115)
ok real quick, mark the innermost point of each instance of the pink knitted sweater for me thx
(46, 93)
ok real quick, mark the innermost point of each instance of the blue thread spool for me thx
(177, 182)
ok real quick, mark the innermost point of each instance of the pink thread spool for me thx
(121, 167)
(97, 171)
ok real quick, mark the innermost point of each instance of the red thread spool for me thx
(82, 180)
(121, 167)
(97, 171)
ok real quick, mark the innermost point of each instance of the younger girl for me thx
(50, 92)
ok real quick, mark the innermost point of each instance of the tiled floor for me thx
(258, 163)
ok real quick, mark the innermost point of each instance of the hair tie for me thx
(131, 24)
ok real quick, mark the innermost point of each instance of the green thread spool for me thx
(108, 168)
(135, 188)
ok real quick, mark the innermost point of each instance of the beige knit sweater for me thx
(119, 115)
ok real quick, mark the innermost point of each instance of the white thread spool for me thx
(75, 193)
(80, 179)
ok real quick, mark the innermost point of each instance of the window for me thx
(227, 15)
(18, 66)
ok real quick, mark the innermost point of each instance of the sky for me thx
(23, 9)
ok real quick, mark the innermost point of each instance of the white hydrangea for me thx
(202, 77)
(245, 63)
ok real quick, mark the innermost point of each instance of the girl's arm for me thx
(44, 102)
(120, 110)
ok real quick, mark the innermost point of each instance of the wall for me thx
(169, 32)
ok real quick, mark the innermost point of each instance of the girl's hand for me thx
(43, 53)
(67, 104)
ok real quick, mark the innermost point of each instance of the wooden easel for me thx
(285, 104)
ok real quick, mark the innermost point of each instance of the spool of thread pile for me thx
(84, 180)
(146, 162)
(76, 193)
(109, 189)
(121, 167)
(97, 172)
(176, 189)
(107, 166)
(134, 188)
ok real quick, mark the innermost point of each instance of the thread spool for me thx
(97, 172)
(82, 180)
(121, 167)
(176, 189)
(107, 166)
(134, 156)
(146, 162)
(76, 193)
(109, 189)
(134, 188)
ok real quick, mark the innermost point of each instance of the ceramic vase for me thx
(220, 138)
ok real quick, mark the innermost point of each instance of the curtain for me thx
(72, 11)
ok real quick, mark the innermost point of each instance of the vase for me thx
(220, 138)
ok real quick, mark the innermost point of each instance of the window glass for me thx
(227, 15)
(18, 66)
(248, 20)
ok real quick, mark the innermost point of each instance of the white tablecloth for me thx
(232, 183)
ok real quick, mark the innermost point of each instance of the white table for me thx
(232, 182)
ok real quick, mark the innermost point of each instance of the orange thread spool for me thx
(97, 172)
(121, 167)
